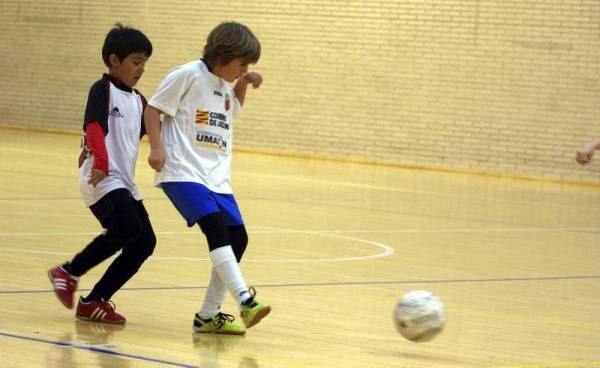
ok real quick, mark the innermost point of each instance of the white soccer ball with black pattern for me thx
(420, 316)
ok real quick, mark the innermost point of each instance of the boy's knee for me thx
(239, 240)
(129, 231)
(149, 243)
(142, 248)
(214, 228)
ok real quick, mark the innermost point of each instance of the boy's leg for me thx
(226, 265)
(214, 212)
(251, 310)
(222, 256)
(128, 226)
(215, 295)
(132, 229)
(209, 318)
(65, 277)
(239, 240)
(194, 201)
(216, 290)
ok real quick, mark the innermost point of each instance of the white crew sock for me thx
(215, 294)
(228, 269)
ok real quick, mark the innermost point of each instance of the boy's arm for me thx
(157, 156)
(585, 153)
(242, 84)
(95, 126)
(95, 141)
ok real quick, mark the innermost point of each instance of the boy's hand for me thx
(583, 157)
(156, 159)
(96, 176)
(585, 153)
(254, 78)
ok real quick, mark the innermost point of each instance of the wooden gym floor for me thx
(332, 247)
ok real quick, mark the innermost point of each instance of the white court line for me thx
(45, 214)
(338, 183)
(268, 176)
(348, 184)
(87, 216)
(387, 250)
(38, 153)
(430, 231)
(332, 232)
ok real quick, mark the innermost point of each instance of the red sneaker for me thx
(64, 284)
(99, 312)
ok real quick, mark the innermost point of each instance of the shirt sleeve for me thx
(170, 91)
(144, 104)
(237, 106)
(95, 140)
(96, 108)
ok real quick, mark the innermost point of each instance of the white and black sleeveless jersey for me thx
(120, 110)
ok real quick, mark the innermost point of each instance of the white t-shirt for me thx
(119, 110)
(197, 126)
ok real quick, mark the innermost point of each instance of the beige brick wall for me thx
(507, 87)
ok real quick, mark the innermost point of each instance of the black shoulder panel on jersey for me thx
(144, 104)
(96, 108)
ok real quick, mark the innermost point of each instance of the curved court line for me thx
(386, 250)
(96, 349)
(278, 230)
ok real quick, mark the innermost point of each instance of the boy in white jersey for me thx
(191, 152)
(113, 125)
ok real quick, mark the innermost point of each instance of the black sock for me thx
(92, 297)
(67, 267)
(248, 302)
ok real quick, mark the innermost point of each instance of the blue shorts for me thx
(194, 201)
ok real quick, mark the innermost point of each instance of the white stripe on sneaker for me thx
(96, 314)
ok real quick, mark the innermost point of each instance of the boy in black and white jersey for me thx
(113, 125)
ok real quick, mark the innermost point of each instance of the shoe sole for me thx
(56, 293)
(100, 321)
(260, 315)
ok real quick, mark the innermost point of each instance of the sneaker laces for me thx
(223, 318)
(110, 304)
(250, 302)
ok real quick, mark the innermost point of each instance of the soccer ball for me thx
(420, 316)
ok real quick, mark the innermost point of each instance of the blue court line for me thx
(97, 350)
(447, 281)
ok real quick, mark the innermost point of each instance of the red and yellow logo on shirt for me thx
(201, 117)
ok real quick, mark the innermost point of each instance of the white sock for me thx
(228, 269)
(215, 294)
